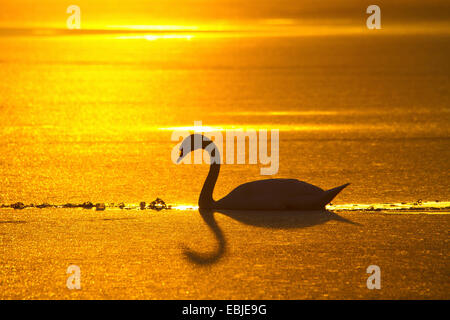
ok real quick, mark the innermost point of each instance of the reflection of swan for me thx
(269, 194)
(284, 219)
(262, 219)
(208, 258)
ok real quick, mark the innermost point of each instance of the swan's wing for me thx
(276, 193)
(290, 187)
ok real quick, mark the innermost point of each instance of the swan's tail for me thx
(330, 194)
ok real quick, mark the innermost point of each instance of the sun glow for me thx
(155, 27)
(153, 37)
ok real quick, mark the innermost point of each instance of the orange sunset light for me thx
(224, 150)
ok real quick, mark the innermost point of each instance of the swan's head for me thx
(191, 143)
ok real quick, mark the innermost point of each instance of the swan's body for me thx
(276, 194)
(269, 194)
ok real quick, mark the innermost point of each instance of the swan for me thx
(268, 194)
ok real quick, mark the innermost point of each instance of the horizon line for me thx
(49, 31)
(293, 30)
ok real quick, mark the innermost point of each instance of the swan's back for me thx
(272, 194)
(282, 186)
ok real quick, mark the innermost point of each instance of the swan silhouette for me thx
(268, 194)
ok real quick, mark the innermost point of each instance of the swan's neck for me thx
(206, 195)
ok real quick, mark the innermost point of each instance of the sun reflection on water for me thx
(153, 37)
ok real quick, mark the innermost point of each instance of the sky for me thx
(105, 13)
